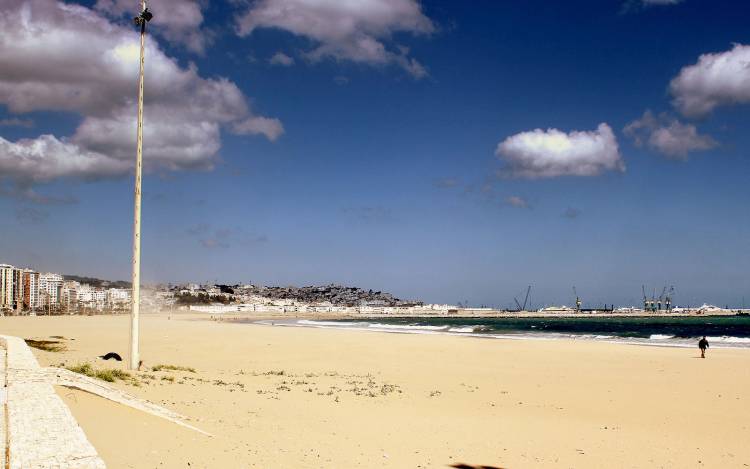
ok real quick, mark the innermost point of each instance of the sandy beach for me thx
(305, 397)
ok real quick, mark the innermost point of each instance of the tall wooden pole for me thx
(136, 297)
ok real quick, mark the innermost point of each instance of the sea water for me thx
(721, 331)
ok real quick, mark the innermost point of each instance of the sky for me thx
(439, 150)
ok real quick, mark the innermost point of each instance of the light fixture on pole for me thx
(141, 21)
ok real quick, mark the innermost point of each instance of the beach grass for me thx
(108, 374)
(172, 368)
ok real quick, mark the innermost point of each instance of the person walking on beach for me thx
(703, 345)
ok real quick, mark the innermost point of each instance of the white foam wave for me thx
(461, 329)
(309, 322)
(408, 327)
(660, 336)
(729, 339)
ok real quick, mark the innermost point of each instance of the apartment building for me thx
(7, 295)
(50, 287)
(70, 295)
(30, 282)
(118, 298)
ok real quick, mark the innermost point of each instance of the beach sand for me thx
(367, 399)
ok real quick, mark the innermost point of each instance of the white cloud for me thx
(271, 128)
(282, 59)
(552, 153)
(344, 30)
(715, 80)
(668, 135)
(46, 158)
(62, 57)
(517, 201)
(178, 21)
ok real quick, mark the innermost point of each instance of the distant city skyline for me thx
(447, 152)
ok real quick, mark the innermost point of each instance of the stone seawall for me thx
(39, 429)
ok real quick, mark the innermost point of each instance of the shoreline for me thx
(270, 314)
(728, 342)
(529, 314)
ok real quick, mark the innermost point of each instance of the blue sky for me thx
(401, 153)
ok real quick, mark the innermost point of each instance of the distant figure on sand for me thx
(703, 345)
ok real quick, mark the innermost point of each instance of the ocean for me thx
(721, 331)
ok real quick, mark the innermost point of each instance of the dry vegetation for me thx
(108, 374)
(172, 368)
(46, 345)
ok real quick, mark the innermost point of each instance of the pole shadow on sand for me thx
(469, 466)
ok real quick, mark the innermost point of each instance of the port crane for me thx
(661, 298)
(648, 304)
(668, 299)
(523, 308)
(661, 303)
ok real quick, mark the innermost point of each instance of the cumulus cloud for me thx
(551, 153)
(717, 79)
(517, 201)
(668, 135)
(282, 59)
(178, 21)
(344, 30)
(45, 158)
(62, 57)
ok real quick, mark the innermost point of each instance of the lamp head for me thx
(143, 18)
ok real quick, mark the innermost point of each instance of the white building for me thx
(118, 297)
(18, 289)
(50, 287)
(92, 297)
(6, 286)
(70, 295)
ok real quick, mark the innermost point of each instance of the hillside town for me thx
(25, 291)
